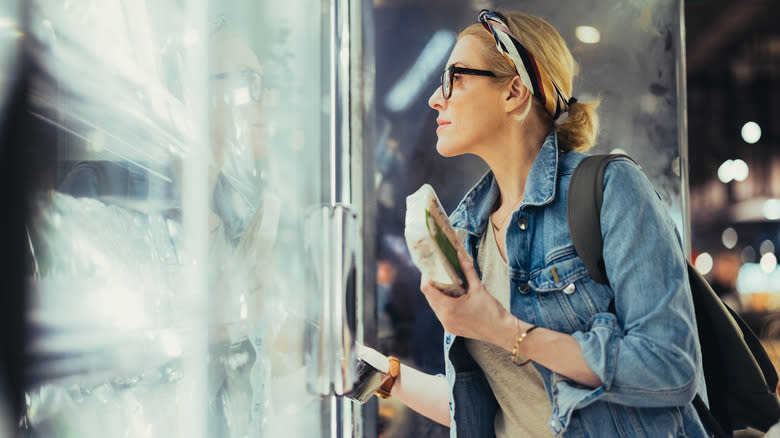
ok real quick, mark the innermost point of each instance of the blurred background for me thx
(733, 62)
(204, 200)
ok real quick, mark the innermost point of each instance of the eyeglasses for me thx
(449, 74)
(243, 85)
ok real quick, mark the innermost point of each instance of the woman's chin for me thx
(446, 150)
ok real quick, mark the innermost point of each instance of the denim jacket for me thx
(648, 356)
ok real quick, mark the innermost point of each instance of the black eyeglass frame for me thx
(252, 76)
(448, 75)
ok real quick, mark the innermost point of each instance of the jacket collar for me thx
(473, 211)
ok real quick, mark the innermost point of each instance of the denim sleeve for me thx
(647, 355)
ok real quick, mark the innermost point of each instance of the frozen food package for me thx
(433, 243)
(369, 379)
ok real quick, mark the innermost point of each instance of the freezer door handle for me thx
(330, 233)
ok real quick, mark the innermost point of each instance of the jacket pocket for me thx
(568, 296)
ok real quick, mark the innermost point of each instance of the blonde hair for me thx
(579, 130)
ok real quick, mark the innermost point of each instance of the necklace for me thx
(497, 225)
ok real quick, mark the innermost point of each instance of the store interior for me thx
(204, 200)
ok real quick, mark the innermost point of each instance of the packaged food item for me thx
(369, 379)
(433, 243)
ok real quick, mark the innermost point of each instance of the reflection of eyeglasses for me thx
(449, 73)
(245, 85)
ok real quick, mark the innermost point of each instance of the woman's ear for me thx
(517, 95)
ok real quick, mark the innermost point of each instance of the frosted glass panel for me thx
(178, 146)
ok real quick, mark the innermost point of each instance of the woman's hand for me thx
(425, 393)
(476, 314)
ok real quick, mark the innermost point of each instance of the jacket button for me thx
(524, 288)
(568, 290)
(523, 223)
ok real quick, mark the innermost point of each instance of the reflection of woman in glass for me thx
(532, 349)
(237, 131)
(243, 222)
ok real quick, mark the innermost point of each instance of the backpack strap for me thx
(583, 205)
(583, 210)
(706, 417)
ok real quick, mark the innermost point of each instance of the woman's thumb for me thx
(467, 265)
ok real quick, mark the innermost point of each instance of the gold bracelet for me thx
(518, 339)
(393, 372)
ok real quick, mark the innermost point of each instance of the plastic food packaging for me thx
(433, 243)
(369, 379)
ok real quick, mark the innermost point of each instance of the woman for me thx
(531, 349)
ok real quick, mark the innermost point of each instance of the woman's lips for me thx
(442, 124)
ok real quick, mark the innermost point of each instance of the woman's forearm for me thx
(553, 350)
(424, 393)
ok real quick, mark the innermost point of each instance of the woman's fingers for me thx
(431, 292)
(467, 265)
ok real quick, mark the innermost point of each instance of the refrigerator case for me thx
(191, 242)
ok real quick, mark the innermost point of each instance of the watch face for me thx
(369, 379)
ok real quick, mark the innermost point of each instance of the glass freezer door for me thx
(192, 238)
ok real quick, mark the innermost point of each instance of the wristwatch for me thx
(387, 385)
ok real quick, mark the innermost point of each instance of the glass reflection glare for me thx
(428, 63)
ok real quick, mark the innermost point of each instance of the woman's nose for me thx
(436, 101)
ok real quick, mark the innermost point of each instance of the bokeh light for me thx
(771, 209)
(736, 170)
(751, 132)
(703, 263)
(748, 254)
(766, 246)
(588, 34)
(729, 237)
(768, 262)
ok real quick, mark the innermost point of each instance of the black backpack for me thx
(741, 380)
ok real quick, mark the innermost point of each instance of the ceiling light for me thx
(771, 209)
(751, 132)
(739, 169)
(588, 34)
(725, 173)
